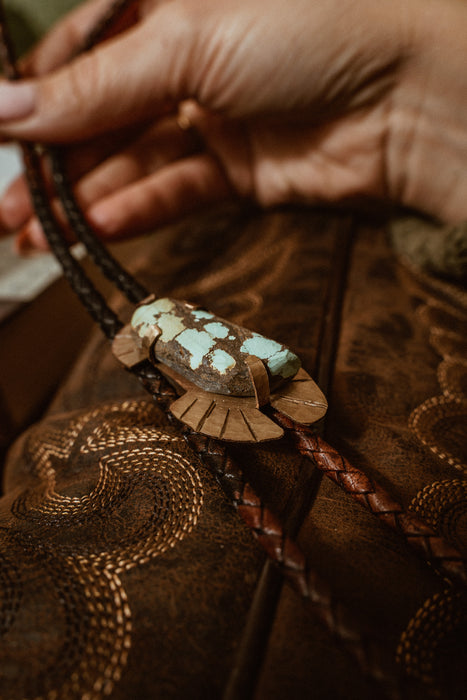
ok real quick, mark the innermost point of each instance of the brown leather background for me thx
(208, 617)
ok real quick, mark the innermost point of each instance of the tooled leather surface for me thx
(190, 604)
(98, 378)
(358, 640)
(440, 423)
(369, 494)
(140, 496)
(384, 370)
(97, 499)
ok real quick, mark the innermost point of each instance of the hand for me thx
(293, 101)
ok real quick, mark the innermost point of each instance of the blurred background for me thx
(35, 302)
(29, 19)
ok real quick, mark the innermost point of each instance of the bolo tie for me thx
(224, 384)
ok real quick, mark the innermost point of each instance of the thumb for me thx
(138, 75)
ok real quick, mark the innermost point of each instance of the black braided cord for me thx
(210, 452)
(90, 297)
(93, 301)
(110, 267)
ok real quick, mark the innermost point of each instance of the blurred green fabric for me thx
(30, 19)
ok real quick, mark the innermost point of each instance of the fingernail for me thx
(31, 237)
(17, 100)
(101, 219)
(9, 211)
(36, 235)
(22, 244)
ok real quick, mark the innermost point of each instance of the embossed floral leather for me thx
(126, 572)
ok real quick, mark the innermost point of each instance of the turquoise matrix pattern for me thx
(208, 350)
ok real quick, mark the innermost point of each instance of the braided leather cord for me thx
(354, 636)
(267, 529)
(369, 494)
(89, 296)
(111, 268)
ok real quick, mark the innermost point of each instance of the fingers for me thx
(159, 145)
(101, 167)
(151, 181)
(15, 205)
(117, 84)
(176, 190)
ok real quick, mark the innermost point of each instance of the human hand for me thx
(296, 101)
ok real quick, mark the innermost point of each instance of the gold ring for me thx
(186, 125)
(184, 122)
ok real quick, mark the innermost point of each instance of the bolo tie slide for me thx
(225, 383)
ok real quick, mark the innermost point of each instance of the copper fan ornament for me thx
(224, 373)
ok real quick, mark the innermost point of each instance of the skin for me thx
(292, 101)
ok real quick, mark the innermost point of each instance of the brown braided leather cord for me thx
(348, 631)
(265, 526)
(356, 638)
(418, 535)
(370, 495)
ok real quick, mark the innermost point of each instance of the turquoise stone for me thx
(208, 350)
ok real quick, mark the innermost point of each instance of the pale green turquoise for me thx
(280, 361)
(208, 350)
(161, 305)
(201, 314)
(198, 344)
(284, 364)
(147, 315)
(222, 361)
(217, 330)
(170, 326)
(260, 346)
